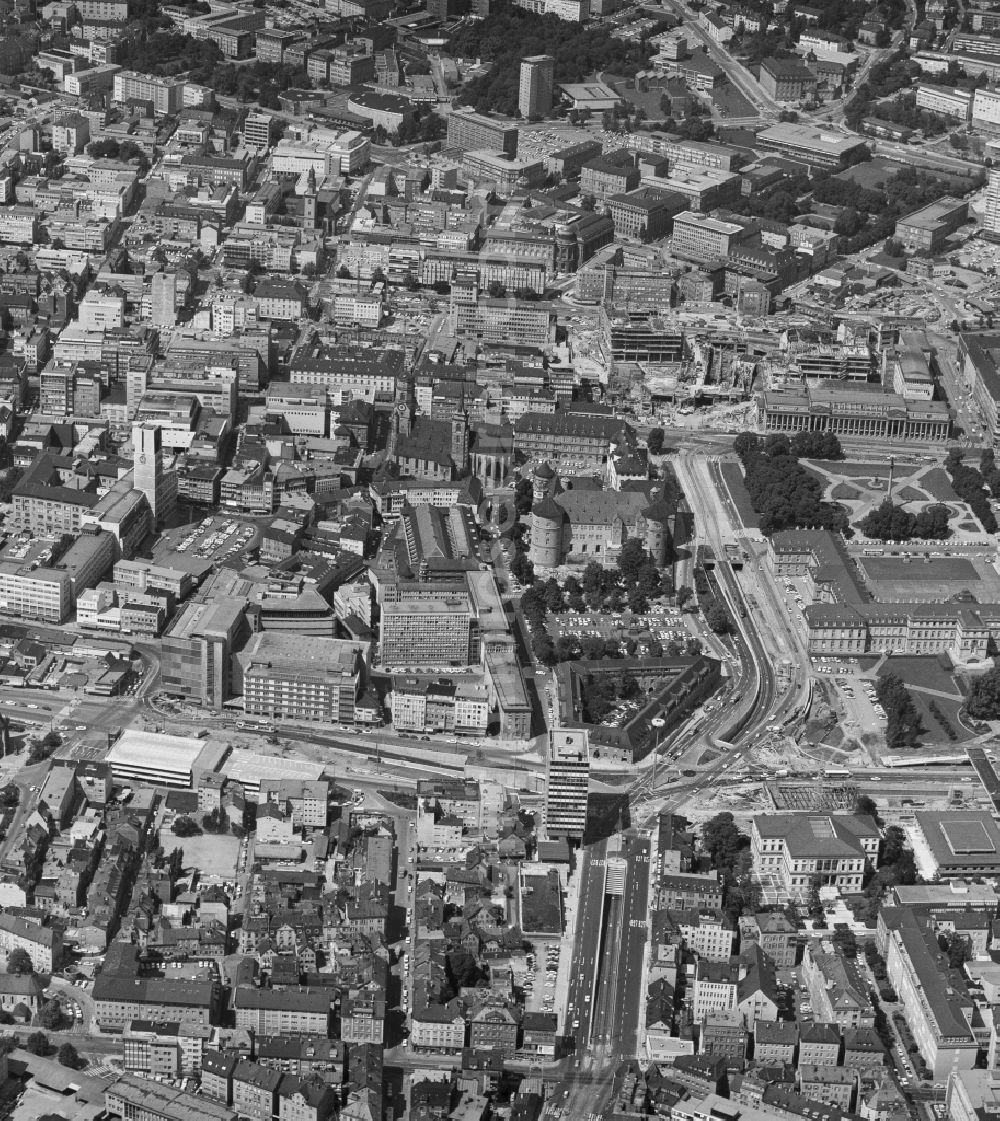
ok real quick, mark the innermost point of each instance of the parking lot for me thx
(536, 975)
(207, 542)
(662, 624)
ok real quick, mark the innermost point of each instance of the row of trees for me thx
(969, 485)
(904, 727)
(781, 490)
(889, 522)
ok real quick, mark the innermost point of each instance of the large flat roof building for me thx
(302, 677)
(815, 145)
(959, 842)
(153, 757)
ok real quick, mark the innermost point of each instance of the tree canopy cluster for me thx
(968, 483)
(902, 193)
(782, 491)
(816, 445)
(255, 81)
(903, 721)
(603, 693)
(889, 522)
(508, 34)
(169, 52)
(983, 701)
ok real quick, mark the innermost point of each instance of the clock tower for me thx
(149, 475)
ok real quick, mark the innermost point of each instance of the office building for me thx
(257, 130)
(197, 652)
(299, 677)
(930, 227)
(813, 145)
(959, 843)
(567, 778)
(991, 214)
(948, 102)
(166, 95)
(787, 79)
(469, 131)
(507, 172)
(158, 484)
(535, 90)
(429, 633)
(699, 237)
(986, 109)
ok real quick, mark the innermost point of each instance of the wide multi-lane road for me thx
(606, 988)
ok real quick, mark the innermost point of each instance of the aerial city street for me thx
(499, 574)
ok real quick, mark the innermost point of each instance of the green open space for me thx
(938, 485)
(733, 474)
(921, 672)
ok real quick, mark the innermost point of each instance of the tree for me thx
(69, 1057)
(51, 1015)
(175, 864)
(684, 596)
(19, 962)
(815, 904)
(654, 441)
(522, 569)
(717, 617)
(593, 578)
(213, 822)
(10, 795)
(631, 558)
(38, 1043)
(903, 721)
(343, 273)
(554, 601)
(863, 804)
(185, 826)
(723, 841)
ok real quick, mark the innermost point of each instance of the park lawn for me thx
(844, 493)
(733, 474)
(938, 485)
(927, 673)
